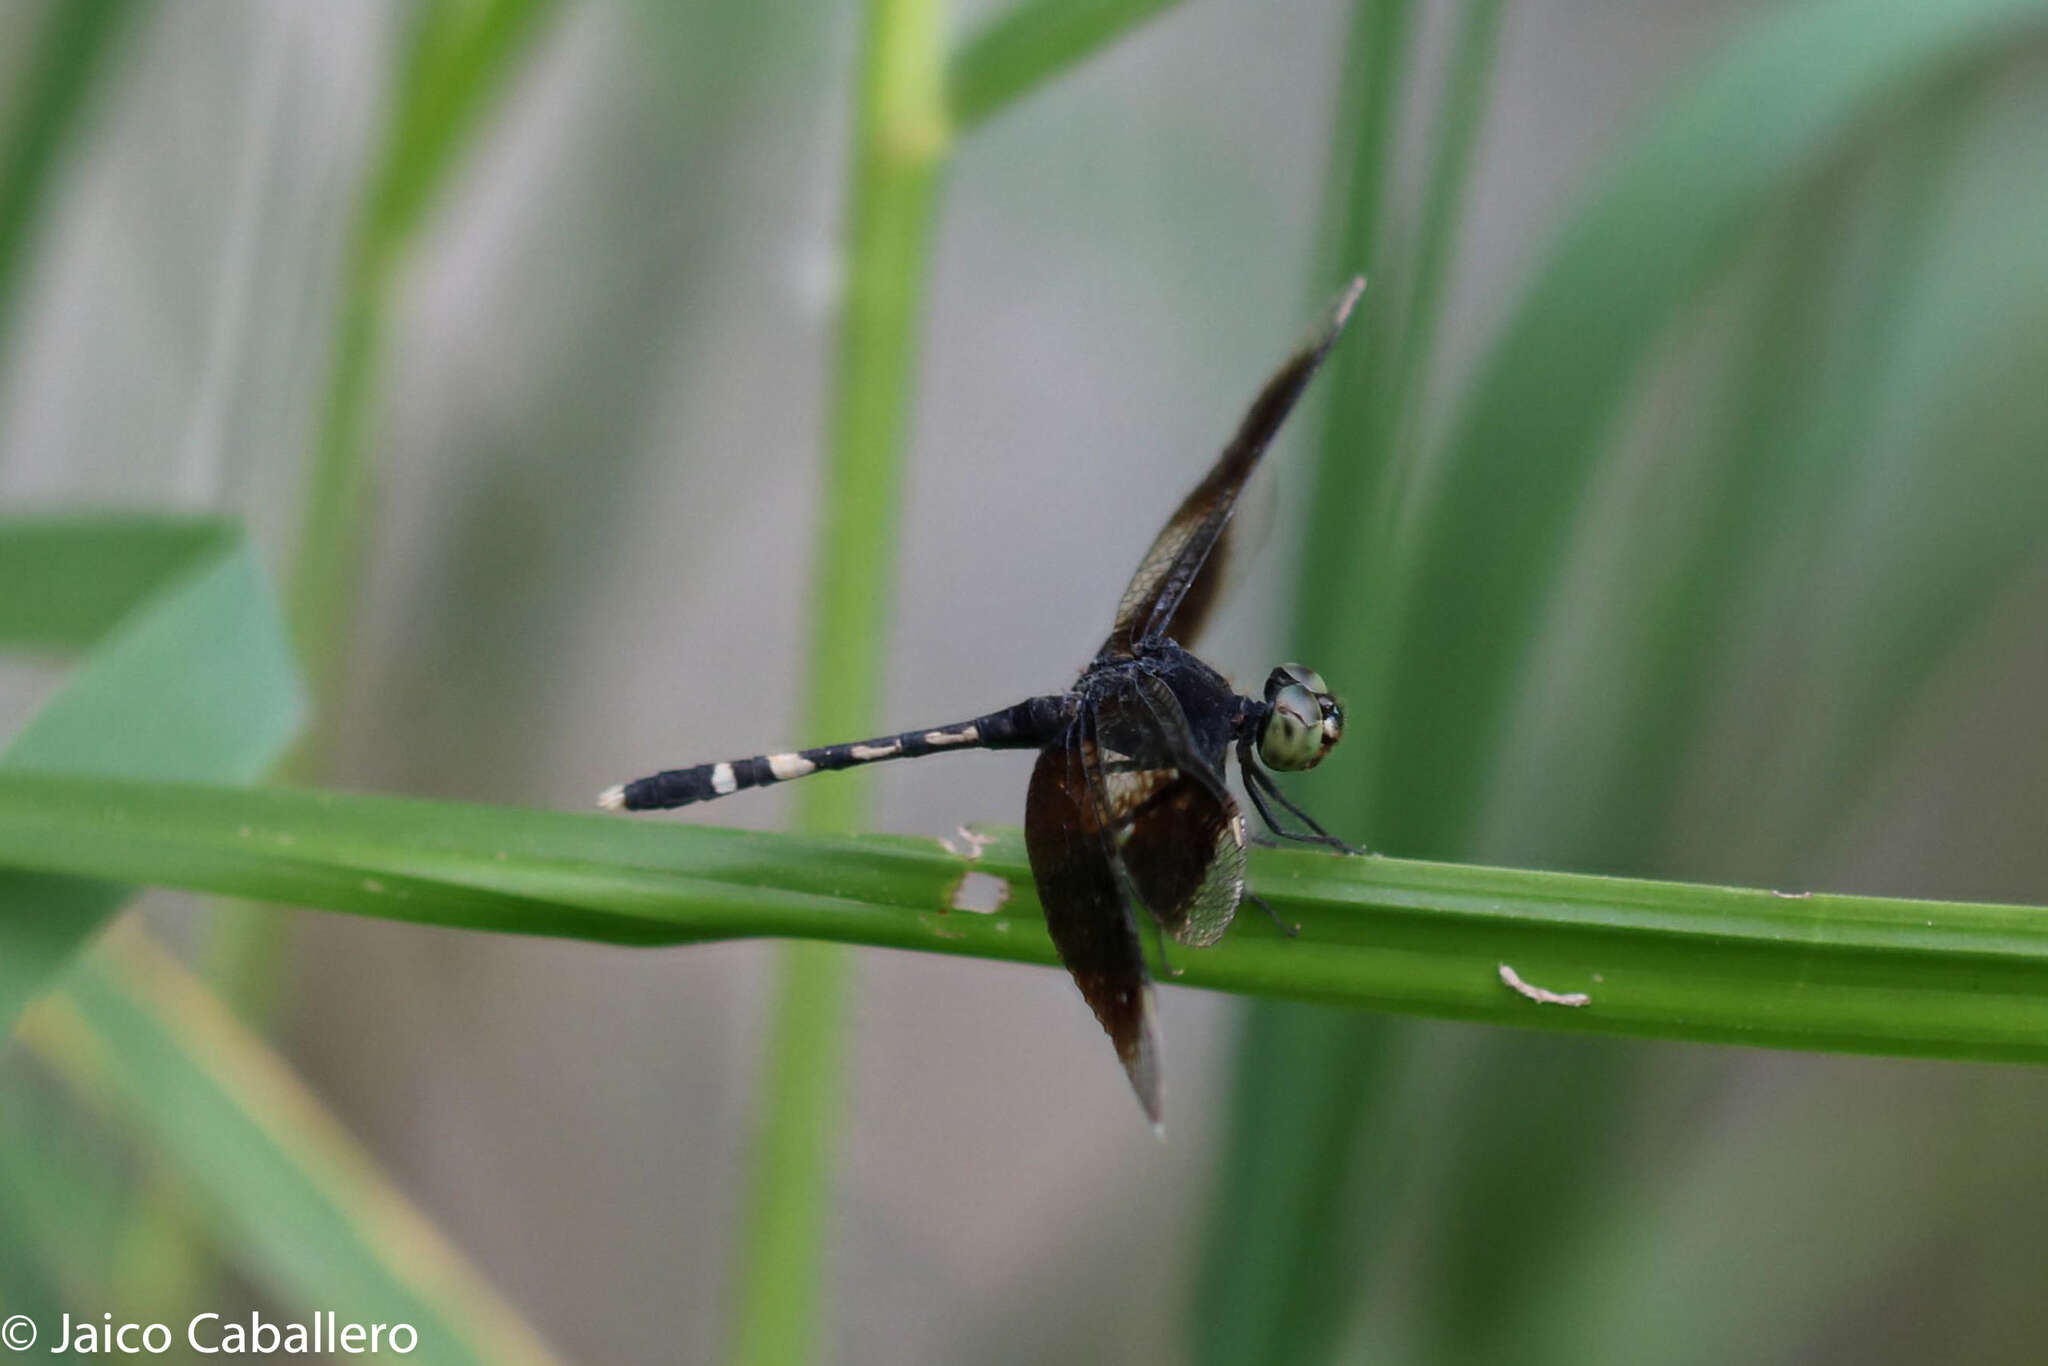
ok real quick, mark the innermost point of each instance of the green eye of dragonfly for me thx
(1292, 738)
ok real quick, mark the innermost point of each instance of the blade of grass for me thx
(62, 1190)
(1790, 90)
(1525, 1258)
(900, 141)
(1405, 378)
(1801, 428)
(305, 1212)
(1029, 44)
(1348, 470)
(1480, 1264)
(1496, 1238)
(1498, 1247)
(1953, 524)
(461, 58)
(77, 35)
(1281, 1253)
(910, 103)
(1279, 1239)
(1659, 959)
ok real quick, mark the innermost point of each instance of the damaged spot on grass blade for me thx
(1512, 980)
(981, 893)
(966, 844)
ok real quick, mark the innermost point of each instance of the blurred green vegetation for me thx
(1672, 585)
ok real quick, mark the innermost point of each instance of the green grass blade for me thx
(1405, 377)
(1029, 44)
(1659, 959)
(1348, 520)
(900, 140)
(1448, 630)
(189, 677)
(1311, 1090)
(1797, 439)
(1792, 89)
(787, 1241)
(1280, 1236)
(462, 57)
(76, 37)
(63, 1192)
(1958, 417)
(300, 1207)
(463, 54)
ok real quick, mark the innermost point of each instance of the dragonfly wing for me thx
(1174, 825)
(1088, 908)
(1175, 586)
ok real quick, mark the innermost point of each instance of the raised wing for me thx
(1087, 902)
(1178, 580)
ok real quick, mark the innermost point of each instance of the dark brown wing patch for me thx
(1163, 598)
(1185, 854)
(1174, 825)
(1088, 911)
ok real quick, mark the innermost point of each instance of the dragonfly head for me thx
(1302, 721)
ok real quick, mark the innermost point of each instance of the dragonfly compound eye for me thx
(1293, 737)
(1294, 673)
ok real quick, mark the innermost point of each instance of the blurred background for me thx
(1678, 510)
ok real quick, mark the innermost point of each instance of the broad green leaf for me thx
(185, 674)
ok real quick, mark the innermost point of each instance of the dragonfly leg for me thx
(1291, 931)
(1258, 787)
(1159, 945)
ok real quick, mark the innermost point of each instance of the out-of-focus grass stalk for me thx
(1029, 44)
(1268, 1283)
(912, 101)
(1285, 1239)
(1347, 472)
(900, 141)
(58, 75)
(304, 1211)
(1405, 377)
(460, 59)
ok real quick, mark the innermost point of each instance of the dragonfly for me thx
(1128, 811)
